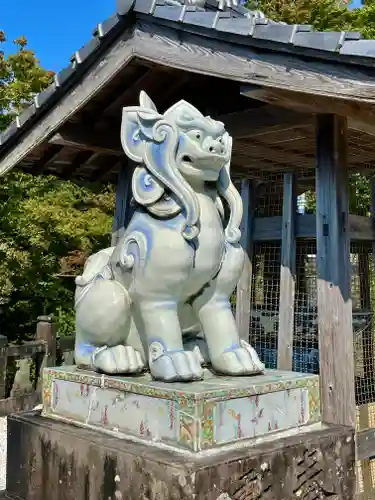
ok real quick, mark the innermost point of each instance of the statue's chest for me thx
(209, 246)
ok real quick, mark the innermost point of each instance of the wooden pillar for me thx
(333, 262)
(123, 198)
(287, 275)
(243, 297)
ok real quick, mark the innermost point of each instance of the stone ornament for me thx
(160, 297)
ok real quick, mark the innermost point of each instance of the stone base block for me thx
(197, 416)
(53, 460)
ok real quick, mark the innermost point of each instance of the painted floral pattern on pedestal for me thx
(258, 415)
(123, 412)
(197, 415)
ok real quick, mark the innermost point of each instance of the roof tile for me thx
(25, 115)
(43, 96)
(83, 53)
(238, 25)
(206, 19)
(7, 134)
(326, 40)
(146, 6)
(106, 26)
(175, 13)
(364, 48)
(62, 76)
(123, 7)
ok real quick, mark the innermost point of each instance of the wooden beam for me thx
(115, 108)
(263, 120)
(81, 158)
(47, 157)
(249, 123)
(96, 78)
(270, 228)
(204, 55)
(333, 263)
(287, 275)
(243, 296)
(84, 137)
(360, 118)
(123, 197)
(365, 441)
(221, 58)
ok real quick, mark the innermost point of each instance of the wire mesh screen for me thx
(305, 341)
(265, 301)
(265, 310)
(365, 473)
(362, 288)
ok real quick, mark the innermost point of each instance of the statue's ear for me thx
(146, 102)
(137, 127)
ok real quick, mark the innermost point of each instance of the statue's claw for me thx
(118, 359)
(177, 366)
(238, 360)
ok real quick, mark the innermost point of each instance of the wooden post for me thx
(123, 197)
(333, 262)
(46, 330)
(3, 365)
(243, 297)
(287, 275)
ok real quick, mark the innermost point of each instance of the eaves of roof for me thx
(236, 24)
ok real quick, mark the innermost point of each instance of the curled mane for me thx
(151, 140)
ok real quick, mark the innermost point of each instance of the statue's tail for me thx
(102, 304)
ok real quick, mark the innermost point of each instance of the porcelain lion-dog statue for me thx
(161, 297)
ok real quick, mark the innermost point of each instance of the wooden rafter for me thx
(249, 123)
(48, 156)
(359, 118)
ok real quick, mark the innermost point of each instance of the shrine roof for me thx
(236, 26)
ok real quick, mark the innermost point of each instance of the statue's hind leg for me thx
(228, 354)
(103, 328)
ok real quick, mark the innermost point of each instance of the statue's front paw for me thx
(118, 359)
(173, 366)
(238, 360)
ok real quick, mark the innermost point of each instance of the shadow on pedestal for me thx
(49, 460)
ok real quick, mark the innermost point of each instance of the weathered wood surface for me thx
(360, 117)
(86, 138)
(243, 298)
(46, 332)
(220, 58)
(240, 124)
(24, 391)
(117, 57)
(85, 465)
(287, 275)
(333, 263)
(190, 52)
(361, 228)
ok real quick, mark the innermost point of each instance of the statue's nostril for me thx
(211, 149)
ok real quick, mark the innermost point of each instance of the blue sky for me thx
(55, 29)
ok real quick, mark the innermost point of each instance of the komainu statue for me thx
(160, 297)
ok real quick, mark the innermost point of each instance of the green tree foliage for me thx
(47, 226)
(323, 15)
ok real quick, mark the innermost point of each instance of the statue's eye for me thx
(220, 139)
(198, 135)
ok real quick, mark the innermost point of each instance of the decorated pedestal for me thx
(195, 416)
